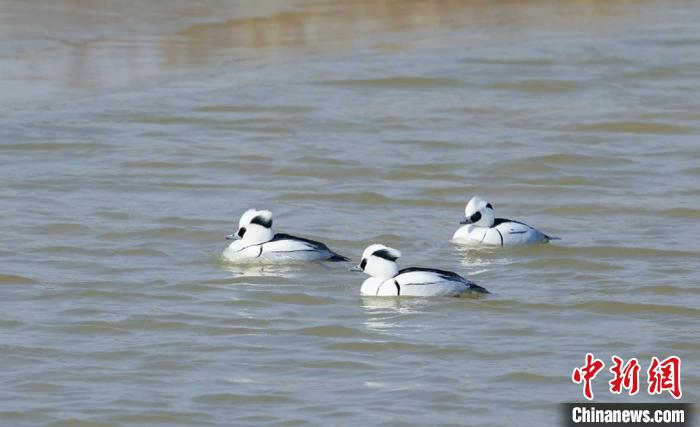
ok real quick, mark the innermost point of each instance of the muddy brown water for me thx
(133, 135)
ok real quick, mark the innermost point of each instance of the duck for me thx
(482, 228)
(254, 241)
(380, 262)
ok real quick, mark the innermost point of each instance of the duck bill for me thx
(232, 237)
(465, 221)
(355, 268)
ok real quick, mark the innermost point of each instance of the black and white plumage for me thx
(483, 228)
(379, 261)
(255, 242)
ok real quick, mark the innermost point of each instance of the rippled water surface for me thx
(133, 135)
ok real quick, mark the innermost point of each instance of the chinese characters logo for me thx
(664, 375)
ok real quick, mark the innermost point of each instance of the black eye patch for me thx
(383, 253)
(363, 264)
(488, 205)
(267, 223)
(475, 217)
(241, 232)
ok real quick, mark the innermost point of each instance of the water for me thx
(133, 136)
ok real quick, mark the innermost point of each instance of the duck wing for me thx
(282, 242)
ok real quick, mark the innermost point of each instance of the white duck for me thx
(379, 261)
(483, 228)
(254, 241)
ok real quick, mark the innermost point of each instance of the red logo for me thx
(586, 373)
(625, 377)
(665, 376)
(661, 376)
